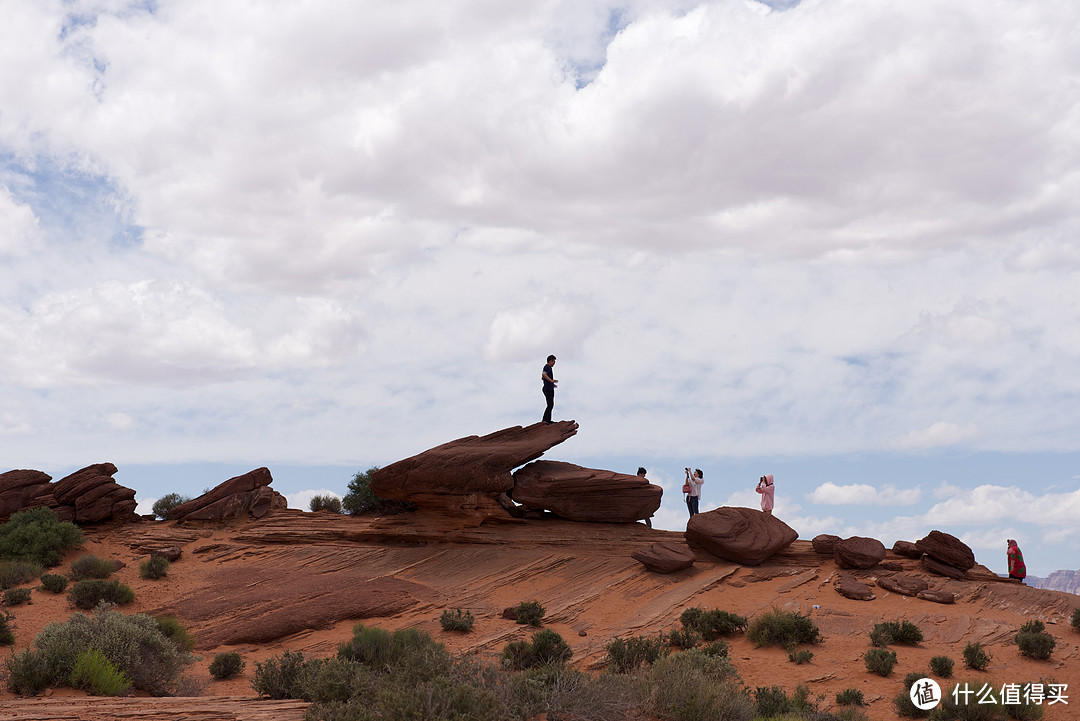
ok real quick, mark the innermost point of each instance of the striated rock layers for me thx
(247, 494)
(742, 535)
(664, 557)
(585, 494)
(88, 495)
(945, 554)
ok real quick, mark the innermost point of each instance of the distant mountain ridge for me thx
(1068, 581)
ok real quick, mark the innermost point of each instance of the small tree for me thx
(361, 501)
(164, 505)
(329, 502)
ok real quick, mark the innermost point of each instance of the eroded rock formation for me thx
(858, 552)
(742, 535)
(947, 549)
(665, 557)
(88, 495)
(850, 587)
(585, 494)
(825, 543)
(244, 495)
(904, 584)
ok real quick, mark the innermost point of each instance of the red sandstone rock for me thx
(742, 535)
(858, 552)
(932, 564)
(825, 543)
(469, 472)
(906, 549)
(849, 587)
(19, 487)
(947, 549)
(171, 553)
(936, 596)
(903, 584)
(82, 481)
(585, 494)
(237, 497)
(666, 557)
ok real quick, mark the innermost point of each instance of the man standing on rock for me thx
(548, 377)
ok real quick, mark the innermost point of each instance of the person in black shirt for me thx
(548, 377)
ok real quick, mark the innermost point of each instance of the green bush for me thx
(133, 644)
(880, 661)
(976, 657)
(628, 655)
(683, 638)
(54, 582)
(37, 536)
(456, 620)
(172, 629)
(773, 701)
(163, 506)
(905, 707)
(90, 566)
(29, 673)
(1024, 710)
(1033, 626)
(16, 596)
(941, 666)
(690, 616)
(406, 650)
(154, 568)
(7, 635)
(226, 665)
(850, 697)
(1038, 646)
(690, 686)
(547, 648)
(800, 657)
(1074, 619)
(325, 503)
(94, 673)
(960, 708)
(360, 501)
(89, 593)
(529, 612)
(16, 573)
(713, 624)
(284, 677)
(719, 649)
(904, 632)
(786, 629)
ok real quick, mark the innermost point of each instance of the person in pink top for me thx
(766, 488)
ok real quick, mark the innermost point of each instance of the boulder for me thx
(172, 553)
(742, 535)
(935, 566)
(585, 494)
(82, 481)
(665, 557)
(947, 549)
(471, 472)
(243, 495)
(906, 549)
(890, 566)
(858, 552)
(850, 587)
(903, 584)
(824, 543)
(18, 488)
(90, 495)
(936, 596)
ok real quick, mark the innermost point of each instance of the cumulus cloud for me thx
(862, 494)
(936, 435)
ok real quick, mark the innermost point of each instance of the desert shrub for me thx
(94, 673)
(154, 568)
(941, 666)
(133, 644)
(976, 657)
(547, 648)
(336, 681)
(28, 673)
(163, 506)
(1074, 619)
(716, 623)
(328, 502)
(456, 620)
(7, 635)
(561, 692)
(774, 701)
(518, 655)
(800, 657)
(628, 655)
(172, 629)
(880, 661)
(902, 703)
(1033, 626)
(89, 593)
(226, 665)
(895, 632)
(16, 596)
(284, 677)
(37, 536)
(406, 650)
(683, 638)
(782, 628)
(16, 573)
(689, 617)
(690, 686)
(718, 649)
(529, 612)
(966, 708)
(90, 566)
(1034, 645)
(361, 501)
(54, 582)
(850, 697)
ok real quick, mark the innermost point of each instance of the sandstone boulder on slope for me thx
(88, 495)
(248, 494)
(585, 494)
(664, 557)
(742, 535)
(948, 549)
(858, 552)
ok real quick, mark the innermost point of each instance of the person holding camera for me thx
(766, 488)
(692, 489)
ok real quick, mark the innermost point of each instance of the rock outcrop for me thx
(742, 535)
(858, 552)
(824, 543)
(245, 495)
(946, 554)
(937, 596)
(943, 569)
(88, 495)
(850, 587)
(905, 585)
(906, 549)
(469, 474)
(585, 494)
(665, 557)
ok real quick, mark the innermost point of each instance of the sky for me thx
(832, 240)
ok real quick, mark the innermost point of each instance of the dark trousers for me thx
(692, 504)
(550, 395)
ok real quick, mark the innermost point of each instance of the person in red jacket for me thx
(1017, 569)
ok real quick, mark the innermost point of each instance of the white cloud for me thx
(862, 494)
(19, 229)
(941, 433)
